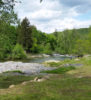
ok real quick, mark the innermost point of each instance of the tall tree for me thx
(25, 37)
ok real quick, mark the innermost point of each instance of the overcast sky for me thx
(56, 14)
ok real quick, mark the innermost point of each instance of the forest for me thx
(18, 38)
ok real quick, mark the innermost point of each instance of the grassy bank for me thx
(60, 70)
(84, 70)
(6, 81)
(69, 85)
(58, 87)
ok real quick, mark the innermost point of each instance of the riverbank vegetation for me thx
(82, 65)
(16, 41)
(60, 70)
(18, 38)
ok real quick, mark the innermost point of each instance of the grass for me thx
(85, 70)
(61, 63)
(85, 61)
(57, 88)
(15, 71)
(60, 70)
(6, 81)
(68, 86)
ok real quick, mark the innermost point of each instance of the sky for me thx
(51, 15)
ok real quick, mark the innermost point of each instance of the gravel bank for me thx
(29, 68)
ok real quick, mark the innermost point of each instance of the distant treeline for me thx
(16, 40)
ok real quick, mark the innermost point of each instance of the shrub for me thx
(47, 49)
(18, 52)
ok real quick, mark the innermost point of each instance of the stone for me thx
(35, 79)
(24, 83)
(49, 61)
(41, 80)
(80, 77)
(11, 86)
(76, 59)
(44, 55)
(28, 68)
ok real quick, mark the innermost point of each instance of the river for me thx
(56, 58)
(33, 66)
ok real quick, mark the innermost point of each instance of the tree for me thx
(89, 35)
(82, 47)
(25, 37)
(7, 31)
(7, 11)
(55, 33)
(47, 49)
(52, 40)
(18, 52)
(8, 38)
(63, 42)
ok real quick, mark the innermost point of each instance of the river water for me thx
(43, 59)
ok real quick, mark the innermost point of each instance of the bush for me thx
(47, 49)
(36, 48)
(18, 52)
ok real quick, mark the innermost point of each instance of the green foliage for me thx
(8, 37)
(7, 13)
(7, 31)
(82, 47)
(18, 52)
(43, 43)
(66, 41)
(75, 41)
(54, 64)
(47, 49)
(25, 35)
(89, 35)
(37, 48)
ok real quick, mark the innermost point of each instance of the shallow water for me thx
(43, 59)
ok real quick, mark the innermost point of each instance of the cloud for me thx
(60, 25)
(55, 14)
(81, 5)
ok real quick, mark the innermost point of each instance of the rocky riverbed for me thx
(28, 68)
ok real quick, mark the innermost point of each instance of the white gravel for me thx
(24, 67)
